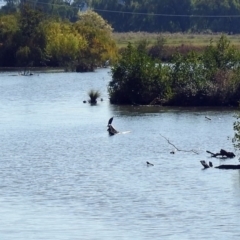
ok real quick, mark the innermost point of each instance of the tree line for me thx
(31, 38)
(148, 15)
(170, 15)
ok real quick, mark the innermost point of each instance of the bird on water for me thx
(149, 164)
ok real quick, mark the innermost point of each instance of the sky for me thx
(2, 3)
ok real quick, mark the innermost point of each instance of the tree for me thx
(63, 44)
(9, 30)
(94, 20)
(31, 35)
(100, 44)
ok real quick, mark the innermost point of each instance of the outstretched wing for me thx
(110, 121)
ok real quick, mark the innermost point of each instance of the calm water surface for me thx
(63, 177)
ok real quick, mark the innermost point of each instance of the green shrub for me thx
(137, 78)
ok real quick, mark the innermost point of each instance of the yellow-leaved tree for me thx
(100, 44)
(63, 44)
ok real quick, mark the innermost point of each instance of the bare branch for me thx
(178, 148)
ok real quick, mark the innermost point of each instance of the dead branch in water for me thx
(178, 148)
(222, 153)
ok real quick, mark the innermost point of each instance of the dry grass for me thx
(173, 39)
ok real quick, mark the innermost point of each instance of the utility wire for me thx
(141, 13)
(169, 15)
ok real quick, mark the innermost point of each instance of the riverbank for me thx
(31, 69)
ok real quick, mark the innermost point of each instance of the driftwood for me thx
(222, 153)
(178, 148)
(111, 130)
(224, 166)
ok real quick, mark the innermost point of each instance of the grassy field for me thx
(173, 39)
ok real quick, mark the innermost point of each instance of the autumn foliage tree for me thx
(100, 44)
(63, 43)
(30, 38)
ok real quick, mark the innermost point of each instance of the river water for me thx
(63, 177)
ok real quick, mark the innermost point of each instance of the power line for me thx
(168, 15)
(140, 13)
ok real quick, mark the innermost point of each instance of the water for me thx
(62, 177)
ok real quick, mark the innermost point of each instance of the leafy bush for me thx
(210, 79)
(138, 79)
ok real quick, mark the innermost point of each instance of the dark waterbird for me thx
(111, 130)
(149, 164)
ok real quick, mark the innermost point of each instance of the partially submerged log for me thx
(229, 166)
(224, 166)
(222, 153)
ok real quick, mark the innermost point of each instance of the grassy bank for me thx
(173, 39)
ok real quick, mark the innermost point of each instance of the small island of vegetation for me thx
(206, 78)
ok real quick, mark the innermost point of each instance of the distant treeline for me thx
(148, 15)
(170, 15)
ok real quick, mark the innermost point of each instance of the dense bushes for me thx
(193, 79)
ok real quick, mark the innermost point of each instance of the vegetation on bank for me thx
(29, 38)
(194, 75)
(208, 78)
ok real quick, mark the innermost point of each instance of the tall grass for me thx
(94, 95)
